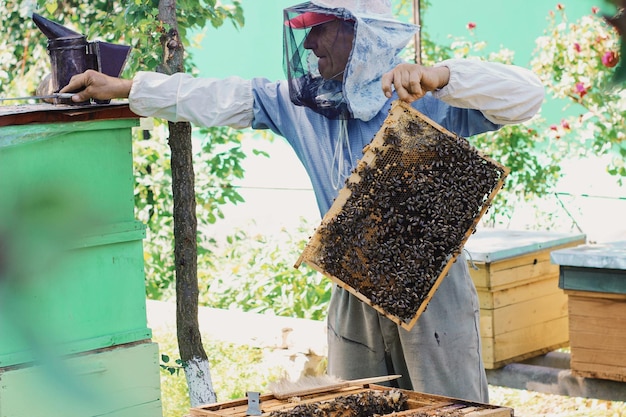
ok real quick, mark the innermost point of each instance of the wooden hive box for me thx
(353, 401)
(594, 279)
(404, 214)
(74, 340)
(523, 312)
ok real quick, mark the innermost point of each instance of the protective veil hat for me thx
(378, 40)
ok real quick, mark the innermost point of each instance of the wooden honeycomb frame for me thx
(402, 218)
(416, 404)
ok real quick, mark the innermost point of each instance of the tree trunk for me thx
(195, 361)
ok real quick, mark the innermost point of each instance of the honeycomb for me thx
(404, 214)
(369, 403)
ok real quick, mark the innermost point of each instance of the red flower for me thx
(471, 25)
(559, 6)
(610, 59)
(581, 89)
(577, 46)
(565, 124)
(554, 127)
(595, 9)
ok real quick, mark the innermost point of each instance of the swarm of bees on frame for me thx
(408, 214)
(368, 403)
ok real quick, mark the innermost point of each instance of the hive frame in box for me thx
(417, 404)
(410, 195)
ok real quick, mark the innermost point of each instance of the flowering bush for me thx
(576, 62)
(530, 150)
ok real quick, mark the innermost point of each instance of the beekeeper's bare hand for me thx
(412, 81)
(96, 85)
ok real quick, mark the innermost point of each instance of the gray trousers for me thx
(441, 354)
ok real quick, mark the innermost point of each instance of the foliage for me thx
(235, 369)
(528, 150)
(172, 369)
(23, 54)
(256, 274)
(576, 62)
(25, 62)
(431, 52)
(217, 162)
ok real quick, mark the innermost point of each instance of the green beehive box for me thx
(71, 252)
(85, 164)
(85, 298)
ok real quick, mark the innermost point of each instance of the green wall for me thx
(256, 49)
(512, 24)
(253, 51)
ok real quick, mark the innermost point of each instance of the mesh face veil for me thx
(307, 86)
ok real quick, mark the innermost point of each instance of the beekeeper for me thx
(343, 71)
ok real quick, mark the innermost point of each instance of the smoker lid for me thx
(53, 30)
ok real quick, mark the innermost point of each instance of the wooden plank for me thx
(500, 412)
(589, 294)
(500, 298)
(496, 364)
(297, 391)
(597, 307)
(592, 370)
(599, 356)
(480, 274)
(54, 113)
(599, 340)
(524, 273)
(525, 314)
(578, 323)
(525, 343)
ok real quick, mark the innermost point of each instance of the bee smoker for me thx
(70, 54)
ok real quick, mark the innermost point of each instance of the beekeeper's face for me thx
(331, 42)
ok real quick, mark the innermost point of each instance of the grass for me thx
(531, 404)
(236, 369)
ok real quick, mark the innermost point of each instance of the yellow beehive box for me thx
(594, 279)
(523, 312)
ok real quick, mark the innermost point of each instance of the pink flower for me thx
(565, 124)
(559, 6)
(471, 25)
(577, 46)
(610, 59)
(595, 9)
(581, 89)
(554, 127)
